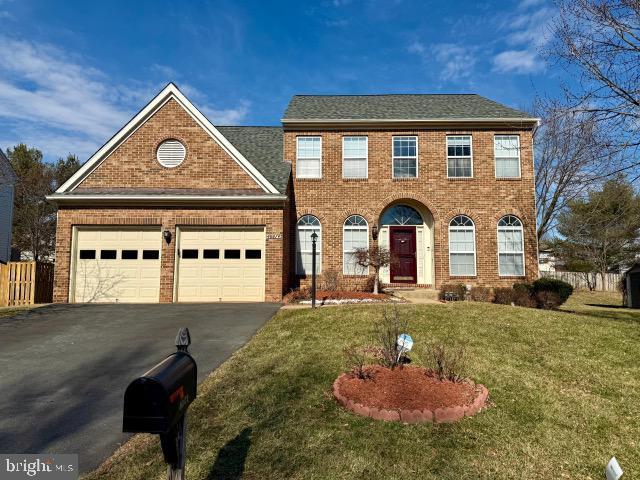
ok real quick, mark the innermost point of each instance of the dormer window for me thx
(171, 153)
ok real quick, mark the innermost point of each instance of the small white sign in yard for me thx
(613, 470)
(405, 342)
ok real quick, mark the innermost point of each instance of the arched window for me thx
(462, 246)
(401, 215)
(510, 247)
(355, 234)
(307, 225)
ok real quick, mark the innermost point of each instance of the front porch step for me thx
(416, 295)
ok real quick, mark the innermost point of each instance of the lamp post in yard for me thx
(314, 239)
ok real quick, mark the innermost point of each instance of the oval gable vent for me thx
(171, 153)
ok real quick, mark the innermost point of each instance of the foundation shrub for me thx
(562, 289)
(480, 294)
(458, 289)
(504, 295)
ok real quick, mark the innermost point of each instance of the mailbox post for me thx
(157, 402)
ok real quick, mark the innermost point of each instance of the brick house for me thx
(174, 209)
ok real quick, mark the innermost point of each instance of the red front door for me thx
(403, 252)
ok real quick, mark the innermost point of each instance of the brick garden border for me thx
(439, 415)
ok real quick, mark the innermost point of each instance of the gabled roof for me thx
(263, 147)
(399, 107)
(7, 175)
(168, 93)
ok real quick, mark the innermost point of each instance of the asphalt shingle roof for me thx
(263, 147)
(7, 175)
(397, 107)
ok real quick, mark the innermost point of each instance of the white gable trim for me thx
(168, 93)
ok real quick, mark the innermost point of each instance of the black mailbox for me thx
(158, 400)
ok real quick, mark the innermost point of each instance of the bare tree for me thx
(572, 152)
(374, 256)
(599, 40)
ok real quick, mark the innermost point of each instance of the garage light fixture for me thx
(374, 232)
(167, 236)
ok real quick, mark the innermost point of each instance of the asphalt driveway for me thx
(64, 368)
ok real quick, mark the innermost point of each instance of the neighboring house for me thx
(547, 260)
(175, 209)
(7, 185)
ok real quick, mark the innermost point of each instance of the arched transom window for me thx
(401, 215)
(355, 235)
(510, 247)
(462, 246)
(307, 225)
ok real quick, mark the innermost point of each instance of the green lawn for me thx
(564, 389)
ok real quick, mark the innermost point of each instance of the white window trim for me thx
(524, 263)
(473, 230)
(495, 157)
(298, 158)
(366, 157)
(318, 246)
(393, 157)
(446, 166)
(351, 227)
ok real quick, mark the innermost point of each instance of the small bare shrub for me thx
(480, 294)
(330, 281)
(297, 295)
(458, 289)
(504, 295)
(447, 361)
(387, 331)
(356, 359)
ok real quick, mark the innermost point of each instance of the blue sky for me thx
(75, 71)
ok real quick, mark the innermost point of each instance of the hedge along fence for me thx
(588, 281)
(25, 283)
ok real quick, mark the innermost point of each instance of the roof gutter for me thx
(130, 200)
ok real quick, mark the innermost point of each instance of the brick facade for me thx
(168, 219)
(133, 165)
(483, 198)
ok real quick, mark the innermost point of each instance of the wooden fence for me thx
(25, 283)
(582, 281)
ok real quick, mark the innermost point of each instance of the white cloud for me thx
(230, 116)
(59, 104)
(518, 61)
(524, 4)
(457, 61)
(416, 47)
(528, 33)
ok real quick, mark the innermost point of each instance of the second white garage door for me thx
(221, 265)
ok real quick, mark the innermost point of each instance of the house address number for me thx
(274, 236)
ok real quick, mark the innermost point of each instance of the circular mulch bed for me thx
(408, 394)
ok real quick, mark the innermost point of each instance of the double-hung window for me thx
(309, 157)
(307, 226)
(405, 157)
(507, 156)
(459, 156)
(355, 235)
(510, 247)
(462, 247)
(354, 157)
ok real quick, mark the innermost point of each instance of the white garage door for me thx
(221, 265)
(117, 265)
